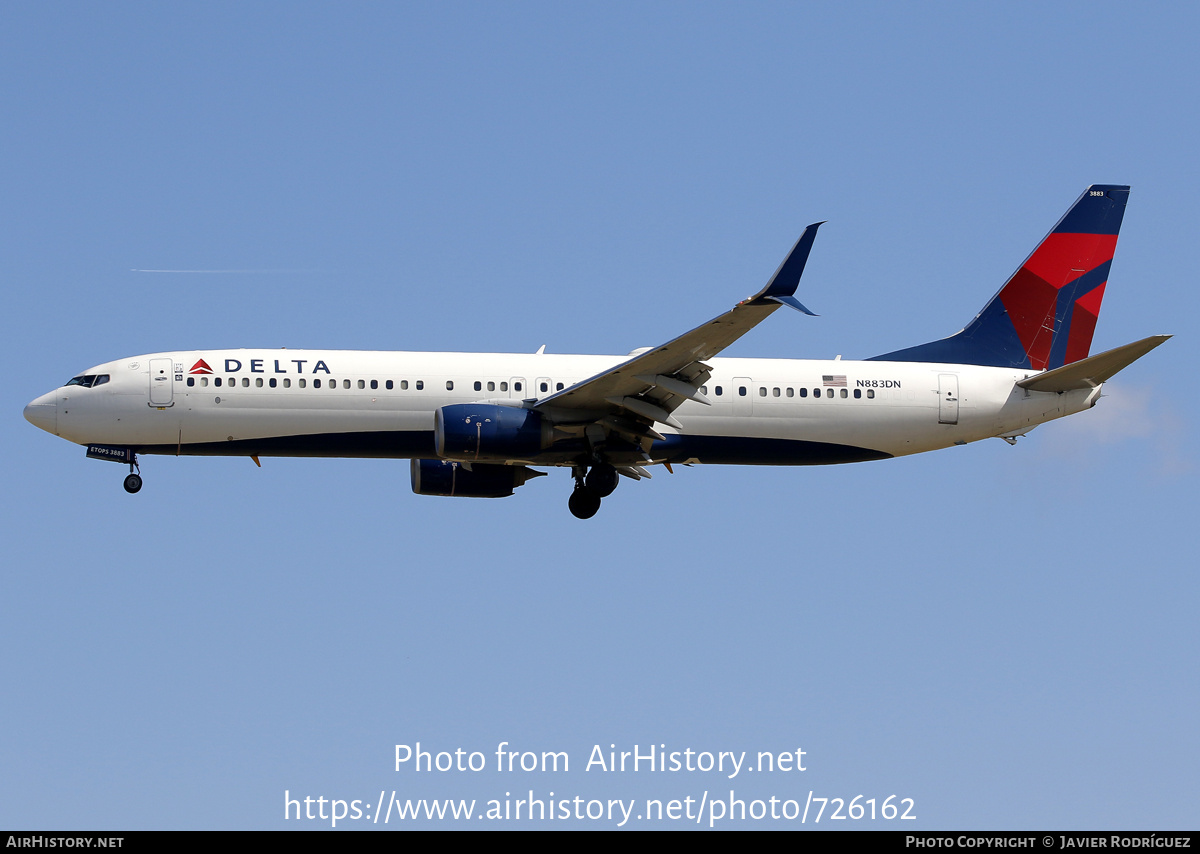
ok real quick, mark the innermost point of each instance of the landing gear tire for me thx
(583, 503)
(602, 480)
(133, 483)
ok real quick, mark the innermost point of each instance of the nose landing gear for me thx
(133, 480)
(116, 454)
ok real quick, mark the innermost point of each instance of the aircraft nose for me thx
(43, 412)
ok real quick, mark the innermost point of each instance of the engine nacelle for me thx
(444, 477)
(488, 431)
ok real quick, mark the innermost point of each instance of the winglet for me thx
(782, 286)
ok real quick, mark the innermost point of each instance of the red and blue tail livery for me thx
(1045, 314)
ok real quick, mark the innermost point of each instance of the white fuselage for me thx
(382, 404)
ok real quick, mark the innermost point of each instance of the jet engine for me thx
(488, 431)
(480, 480)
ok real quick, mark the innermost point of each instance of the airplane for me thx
(476, 424)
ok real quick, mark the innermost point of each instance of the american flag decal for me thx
(832, 381)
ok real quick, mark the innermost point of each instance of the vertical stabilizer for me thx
(1044, 316)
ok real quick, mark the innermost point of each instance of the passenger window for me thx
(719, 391)
(362, 384)
(273, 383)
(316, 383)
(388, 385)
(829, 392)
(245, 382)
(504, 386)
(774, 392)
(374, 384)
(204, 382)
(258, 382)
(741, 391)
(704, 389)
(191, 381)
(345, 383)
(845, 394)
(491, 386)
(870, 394)
(403, 385)
(857, 393)
(303, 383)
(558, 387)
(449, 385)
(420, 385)
(791, 393)
(516, 386)
(545, 387)
(478, 385)
(762, 391)
(287, 383)
(804, 392)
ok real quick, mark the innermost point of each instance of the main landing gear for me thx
(590, 488)
(583, 503)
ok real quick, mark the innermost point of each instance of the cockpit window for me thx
(88, 380)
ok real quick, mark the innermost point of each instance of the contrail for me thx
(139, 270)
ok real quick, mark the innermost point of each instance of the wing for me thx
(651, 385)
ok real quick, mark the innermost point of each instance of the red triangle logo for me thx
(201, 367)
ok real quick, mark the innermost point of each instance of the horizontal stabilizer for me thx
(1094, 370)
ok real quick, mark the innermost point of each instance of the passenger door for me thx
(947, 398)
(161, 383)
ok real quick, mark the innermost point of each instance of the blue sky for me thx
(1005, 635)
